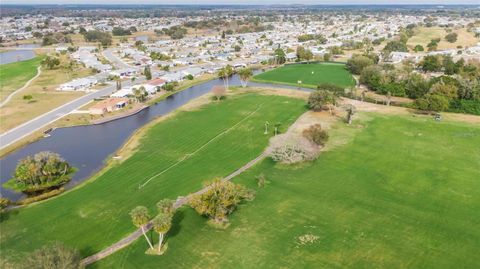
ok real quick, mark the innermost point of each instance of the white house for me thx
(81, 84)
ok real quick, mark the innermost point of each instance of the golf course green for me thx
(396, 192)
(308, 75)
(175, 157)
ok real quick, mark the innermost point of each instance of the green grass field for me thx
(15, 75)
(96, 215)
(322, 73)
(401, 192)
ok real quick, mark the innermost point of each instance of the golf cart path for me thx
(181, 200)
(39, 71)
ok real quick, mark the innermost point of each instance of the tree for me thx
(51, 62)
(448, 90)
(351, 110)
(220, 199)
(327, 57)
(300, 53)
(225, 73)
(219, 92)
(308, 55)
(119, 31)
(280, 56)
(316, 134)
(4, 203)
(416, 86)
(432, 102)
(320, 99)
(118, 83)
(140, 218)
(162, 224)
(451, 37)
(449, 65)
(55, 256)
(431, 63)
(371, 76)
(418, 48)
(245, 75)
(237, 48)
(147, 72)
(140, 94)
(395, 46)
(41, 172)
(165, 206)
(357, 63)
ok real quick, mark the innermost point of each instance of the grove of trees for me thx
(45, 170)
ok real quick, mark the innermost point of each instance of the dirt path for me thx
(181, 201)
(39, 71)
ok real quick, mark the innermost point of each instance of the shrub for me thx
(220, 199)
(321, 98)
(56, 256)
(41, 197)
(465, 106)
(291, 149)
(432, 102)
(316, 134)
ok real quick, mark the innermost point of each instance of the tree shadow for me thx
(176, 226)
(87, 251)
(5, 215)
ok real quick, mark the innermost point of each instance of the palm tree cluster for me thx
(225, 73)
(42, 171)
(220, 199)
(161, 223)
(245, 75)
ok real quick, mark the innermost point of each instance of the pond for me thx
(87, 147)
(22, 53)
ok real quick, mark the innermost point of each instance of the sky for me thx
(317, 2)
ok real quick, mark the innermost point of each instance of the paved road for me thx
(41, 121)
(116, 61)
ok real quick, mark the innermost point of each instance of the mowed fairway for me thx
(401, 193)
(96, 215)
(310, 75)
(14, 75)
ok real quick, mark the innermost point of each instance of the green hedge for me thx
(465, 106)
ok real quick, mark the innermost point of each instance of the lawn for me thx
(44, 93)
(401, 192)
(310, 75)
(14, 75)
(96, 214)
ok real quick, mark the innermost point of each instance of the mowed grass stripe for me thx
(96, 215)
(403, 193)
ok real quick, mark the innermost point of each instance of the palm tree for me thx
(224, 74)
(161, 224)
(140, 218)
(165, 206)
(245, 75)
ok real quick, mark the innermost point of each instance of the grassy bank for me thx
(309, 75)
(15, 75)
(395, 192)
